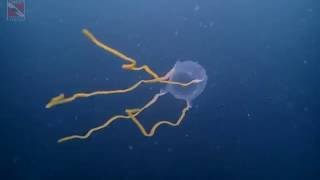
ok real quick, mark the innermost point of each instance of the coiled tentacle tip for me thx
(54, 101)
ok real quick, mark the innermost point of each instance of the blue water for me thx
(258, 117)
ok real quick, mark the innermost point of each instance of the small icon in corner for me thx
(16, 10)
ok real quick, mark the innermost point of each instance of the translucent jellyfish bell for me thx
(186, 71)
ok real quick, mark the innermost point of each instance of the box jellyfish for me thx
(186, 80)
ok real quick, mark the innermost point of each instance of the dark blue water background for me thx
(258, 117)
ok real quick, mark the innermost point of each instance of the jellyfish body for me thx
(186, 71)
(185, 81)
